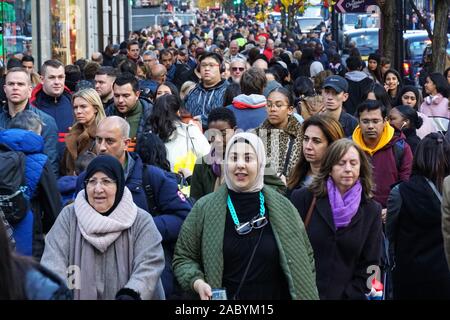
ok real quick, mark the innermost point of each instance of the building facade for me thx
(66, 30)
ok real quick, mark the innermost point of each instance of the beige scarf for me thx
(101, 231)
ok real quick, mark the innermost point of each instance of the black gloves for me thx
(127, 294)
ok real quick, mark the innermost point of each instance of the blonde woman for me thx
(88, 111)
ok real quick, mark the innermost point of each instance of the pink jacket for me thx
(436, 106)
(427, 127)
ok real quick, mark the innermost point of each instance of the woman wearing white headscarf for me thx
(245, 237)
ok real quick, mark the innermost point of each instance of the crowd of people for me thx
(224, 155)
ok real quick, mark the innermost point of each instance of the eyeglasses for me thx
(91, 183)
(269, 105)
(368, 121)
(208, 65)
(236, 69)
(257, 222)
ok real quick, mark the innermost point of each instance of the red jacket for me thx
(39, 88)
(268, 53)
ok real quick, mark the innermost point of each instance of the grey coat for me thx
(145, 246)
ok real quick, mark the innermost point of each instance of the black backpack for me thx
(13, 199)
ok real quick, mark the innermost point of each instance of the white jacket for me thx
(186, 137)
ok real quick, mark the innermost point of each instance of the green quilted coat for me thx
(198, 252)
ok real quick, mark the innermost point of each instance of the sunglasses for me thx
(257, 222)
(236, 69)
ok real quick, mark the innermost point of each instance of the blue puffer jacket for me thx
(67, 186)
(42, 284)
(32, 145)
(49, 133)
(200, 101)
(147, 107)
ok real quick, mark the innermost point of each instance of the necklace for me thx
(262, 209)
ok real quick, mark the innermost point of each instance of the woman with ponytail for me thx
(406, 120)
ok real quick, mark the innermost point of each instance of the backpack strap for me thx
(148, 189)
(398, 150)
(435, 190)
(189, 139)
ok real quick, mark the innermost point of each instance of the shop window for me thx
(68, 40)
(15, 28)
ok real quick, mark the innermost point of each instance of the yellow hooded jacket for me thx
(386, 136)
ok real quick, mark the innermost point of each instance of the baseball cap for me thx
(337, 83)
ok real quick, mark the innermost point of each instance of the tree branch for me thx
(422, 19)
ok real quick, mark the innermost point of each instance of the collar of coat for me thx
(293, 127)
(323, 208)
(217, 85)
(80, 139)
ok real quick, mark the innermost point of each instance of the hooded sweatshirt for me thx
(358, 85)
(382, 157)
(201, 100)
(386, 136)
(249, 110)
